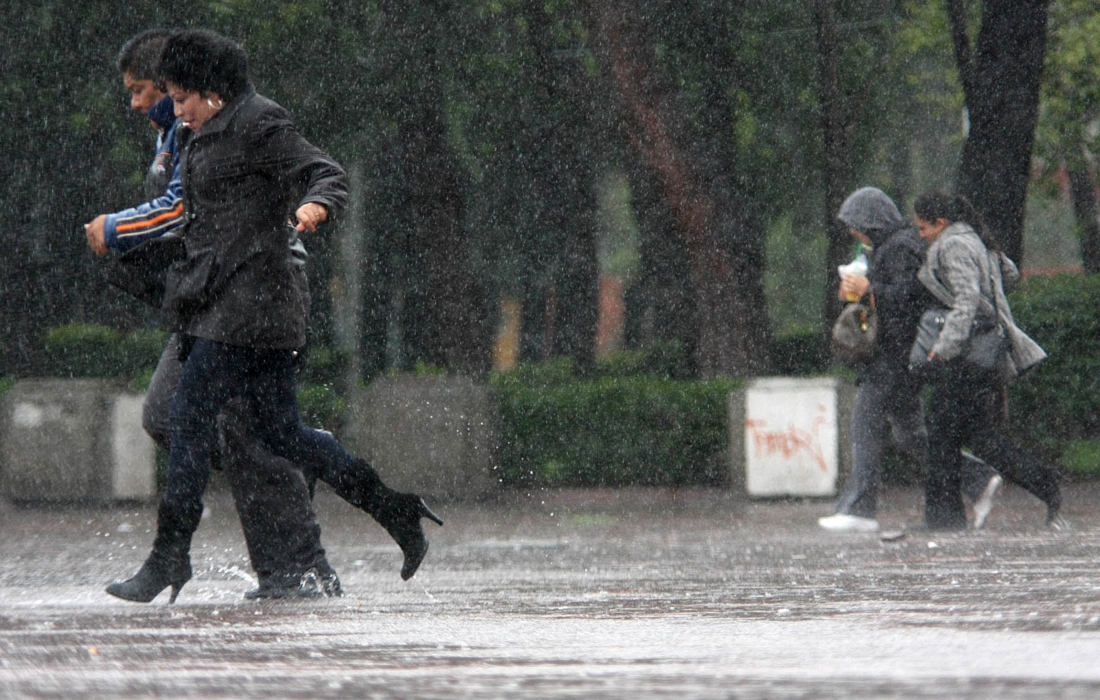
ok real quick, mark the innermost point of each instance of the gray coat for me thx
(958, 271)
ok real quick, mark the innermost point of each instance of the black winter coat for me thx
(243, 174)
(899, 298)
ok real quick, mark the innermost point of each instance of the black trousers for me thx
(960, 415)
(271, 495)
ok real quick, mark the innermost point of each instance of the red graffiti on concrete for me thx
(789, 442)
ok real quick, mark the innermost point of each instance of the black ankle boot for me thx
(400, 515)
(169, 564)
(157, 573)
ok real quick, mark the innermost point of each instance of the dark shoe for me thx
(1054, 520)
(400, 515)
(311, 584)
(157, 573)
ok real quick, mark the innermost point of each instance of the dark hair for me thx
(952, 208)
(203, 61)
(141, 52)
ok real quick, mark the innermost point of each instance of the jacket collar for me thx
(221, 121)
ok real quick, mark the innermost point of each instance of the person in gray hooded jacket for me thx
(888, 395)
(965, 275)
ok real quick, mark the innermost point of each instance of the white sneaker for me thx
(842, 522)
(984, 504)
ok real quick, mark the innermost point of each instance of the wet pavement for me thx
(571, 594)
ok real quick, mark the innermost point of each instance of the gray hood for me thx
(870, 211)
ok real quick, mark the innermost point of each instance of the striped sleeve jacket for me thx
(129, 228)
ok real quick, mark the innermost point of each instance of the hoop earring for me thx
(214, 106)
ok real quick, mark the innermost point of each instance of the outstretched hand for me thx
(96, 235)
(309, 216)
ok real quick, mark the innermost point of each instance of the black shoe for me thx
(311, 584)
(401, 518)
(1054, 519)
(157, 573)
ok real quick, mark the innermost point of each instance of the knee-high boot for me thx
(169, 564)
(399, 513)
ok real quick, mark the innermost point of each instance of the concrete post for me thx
(791, 436)
(69, 440)
(436, 436)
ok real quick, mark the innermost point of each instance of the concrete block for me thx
(436, 436)
(69, 440)
(791, 436)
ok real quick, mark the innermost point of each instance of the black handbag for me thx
(986, 349)
(855, 334)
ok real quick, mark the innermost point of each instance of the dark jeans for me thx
(959, 415)
(271, 495)
(213, 374)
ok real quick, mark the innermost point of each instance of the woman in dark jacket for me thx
(888, 397)
(965, 275)
(236, 300)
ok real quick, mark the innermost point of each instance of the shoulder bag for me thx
(986, 349)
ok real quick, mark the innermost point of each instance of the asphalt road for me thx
(571, 594)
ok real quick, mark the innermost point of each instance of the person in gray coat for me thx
(888, 397)
(965, 275)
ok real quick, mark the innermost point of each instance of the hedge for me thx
(1058, 404)
(612, 430)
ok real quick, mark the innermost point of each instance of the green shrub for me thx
(799, 352)
(610, 431)
(1082, 457)
(663, 358)
(1059, 401)
(140, 351)
(83, 350)
(321, 406)
(92, 351)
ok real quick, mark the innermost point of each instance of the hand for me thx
(853, 287)
(96, 235)
(309, 216)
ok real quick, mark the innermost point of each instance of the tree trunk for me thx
(836, 151)
(564, 155)
(443, 319)
(723, 248)
(1001, 82)
(1082, 189)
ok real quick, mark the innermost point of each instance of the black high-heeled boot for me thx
(169, 564)
(157, 573)
(398, 513)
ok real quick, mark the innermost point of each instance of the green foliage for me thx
(1059, 402)
(1082, 457)
(324, 365)
(663, 358)
(83, 350)
(1071, 87)
(88, 350)
(321, 406)
(610, 431)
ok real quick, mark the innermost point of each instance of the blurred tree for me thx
(692, 157)
(1000, 76)
(1068, 132)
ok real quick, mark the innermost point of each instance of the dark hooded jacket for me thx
(893, 262)
(243, 173)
